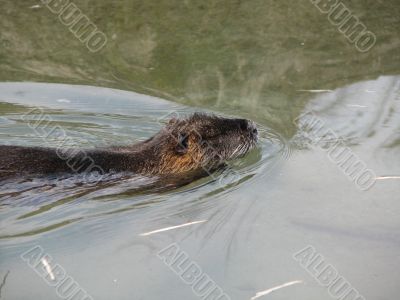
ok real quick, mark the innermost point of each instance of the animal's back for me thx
(16, 160)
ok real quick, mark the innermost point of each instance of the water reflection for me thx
(51, 203)
(257, 59)
(365, 116)
(286, 197)
(251, 56)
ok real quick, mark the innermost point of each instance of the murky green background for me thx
(264, 60)
(248, 55)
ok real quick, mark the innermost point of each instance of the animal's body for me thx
(199, 142)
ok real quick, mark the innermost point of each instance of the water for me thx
(280, 64)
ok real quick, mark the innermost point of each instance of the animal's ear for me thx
(183, 143)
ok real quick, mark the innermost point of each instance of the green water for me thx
(269, 61)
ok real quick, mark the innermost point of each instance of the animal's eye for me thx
(183, 140)
(183, 143)
(243, 124)
(172, 121)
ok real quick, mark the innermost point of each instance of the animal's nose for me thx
(252, 127)
(253, 130)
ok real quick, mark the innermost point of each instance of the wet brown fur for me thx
(199, 142)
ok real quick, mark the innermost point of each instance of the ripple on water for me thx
(36, 207)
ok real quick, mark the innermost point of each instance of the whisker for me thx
(236, 150)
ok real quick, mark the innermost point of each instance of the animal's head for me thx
(203, 141)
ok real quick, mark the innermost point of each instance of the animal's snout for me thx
(253, 128)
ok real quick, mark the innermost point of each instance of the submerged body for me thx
(200, 144)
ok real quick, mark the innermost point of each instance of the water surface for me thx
(274, 62)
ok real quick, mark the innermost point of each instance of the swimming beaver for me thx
(199, 142)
